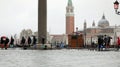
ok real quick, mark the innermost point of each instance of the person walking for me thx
(12, 42)
(34, 41)
(118, 43)
(2, 42)
(23, 42)
(100, 43)
(29, 41)
(109, 41)
(105, 41)
(6, 43)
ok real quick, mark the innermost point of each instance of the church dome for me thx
(103, 22)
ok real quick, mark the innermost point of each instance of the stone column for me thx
(42, 20)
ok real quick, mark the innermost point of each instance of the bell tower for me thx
(69, 18)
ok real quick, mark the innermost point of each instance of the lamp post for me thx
(85, 39)
(116, 6)
(91, 41)
(77, 37)
(115, 36)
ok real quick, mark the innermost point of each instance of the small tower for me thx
(93, 24)
(85, 32)
(85, 25)
(69, 18)
(76, 29)
(103, 17)
(85, 28)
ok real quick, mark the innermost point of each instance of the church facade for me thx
(103, 28)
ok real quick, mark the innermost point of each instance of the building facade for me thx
(26, 33)
(103, 28)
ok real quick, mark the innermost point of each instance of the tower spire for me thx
(93, 23)
(103, 17)
(85, 24)
(69, 2)
(69, 9)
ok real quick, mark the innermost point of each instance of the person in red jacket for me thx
(118, 43)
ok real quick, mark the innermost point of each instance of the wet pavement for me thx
(58, 58)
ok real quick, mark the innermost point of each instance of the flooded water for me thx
(59, 58)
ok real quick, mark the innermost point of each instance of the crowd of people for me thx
(104, 43)
(28, 42)
(6, 42)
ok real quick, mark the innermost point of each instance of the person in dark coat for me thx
(34, 41)
(105, 41)
(3, 40)
(100, 42)
(6, 43)
(109, 40)
(12, 42)
(43, 41)
(23, 42)
(29, 41)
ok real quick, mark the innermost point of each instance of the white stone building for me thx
(59, 39)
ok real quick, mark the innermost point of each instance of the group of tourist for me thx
(5, 42)
(103, 42)
(28, 42)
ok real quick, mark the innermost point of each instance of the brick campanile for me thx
(69, 18)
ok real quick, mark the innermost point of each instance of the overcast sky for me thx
(16, 15)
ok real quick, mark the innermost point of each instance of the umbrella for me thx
(3, 37)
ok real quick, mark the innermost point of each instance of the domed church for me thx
(103, 28)
(103, 22)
